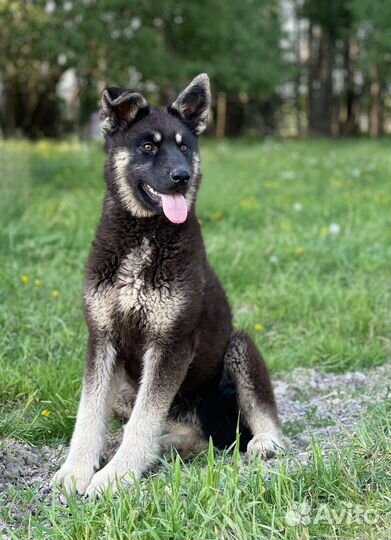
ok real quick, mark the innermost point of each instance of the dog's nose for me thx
(180, 176)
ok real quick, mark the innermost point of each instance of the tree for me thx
(43, 39)
(237, 43)
(372, 25)
(105, 41)
(328, 20)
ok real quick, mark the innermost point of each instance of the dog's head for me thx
(153, 163)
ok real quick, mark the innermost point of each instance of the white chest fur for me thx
(156, 303)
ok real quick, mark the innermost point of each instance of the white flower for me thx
(334, 229)
(274, 259)
(297, 207)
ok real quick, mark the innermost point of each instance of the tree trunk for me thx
(234, 117)
(297, 80)
(320, 91)
(221, 114)
(375, 123)
(33, 118)
(349, 123)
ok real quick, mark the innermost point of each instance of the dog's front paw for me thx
(266, 445)
(111, 476)
(74, 478)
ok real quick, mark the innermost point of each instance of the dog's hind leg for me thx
(245, 366)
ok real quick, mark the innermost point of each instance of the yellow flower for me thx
(271, 185)
(249, 203)
(299, 250)
(46, 413)
(258, 327)
(216, 215)
(286, 225)
(24, 278)
(55, 294)
(323, 232)
(336, 183)
(37, 282)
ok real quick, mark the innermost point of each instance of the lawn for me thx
(297, 232)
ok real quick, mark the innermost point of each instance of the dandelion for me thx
(323, 232)
(215, 216)
(24, 278)
(299, 250)
(55, 294)
(271, 185)
(336, 183)
(248, 204)
(46, 413)
(297, 207)
(258, 327)
(334, 229)
(37, 282)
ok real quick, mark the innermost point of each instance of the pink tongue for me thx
(174, 207)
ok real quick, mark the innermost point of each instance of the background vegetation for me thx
(289, 66)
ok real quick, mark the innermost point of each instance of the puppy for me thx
(160, 327)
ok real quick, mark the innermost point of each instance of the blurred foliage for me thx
(159, 46)
(122, 40)
(372, 20)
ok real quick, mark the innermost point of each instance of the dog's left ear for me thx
(193, 104)
(120, 107)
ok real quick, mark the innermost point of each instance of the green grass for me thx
(348, 496)
(308, 296)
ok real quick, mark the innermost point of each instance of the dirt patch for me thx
(325, 406)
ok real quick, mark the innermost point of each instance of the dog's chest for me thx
(145, 293)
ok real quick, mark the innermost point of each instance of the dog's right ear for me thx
(120, 107)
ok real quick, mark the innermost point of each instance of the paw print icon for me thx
(298, 514)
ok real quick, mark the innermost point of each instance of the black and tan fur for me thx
(160, 329)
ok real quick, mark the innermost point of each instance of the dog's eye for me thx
(148, 148)
(183, 147)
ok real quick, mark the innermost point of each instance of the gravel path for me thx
(312, 403)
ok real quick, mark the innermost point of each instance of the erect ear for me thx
(193, 103)
(119, 107)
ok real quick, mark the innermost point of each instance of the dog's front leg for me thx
(163, 372)
(94, 409)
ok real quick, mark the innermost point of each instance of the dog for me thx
(160, 327)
